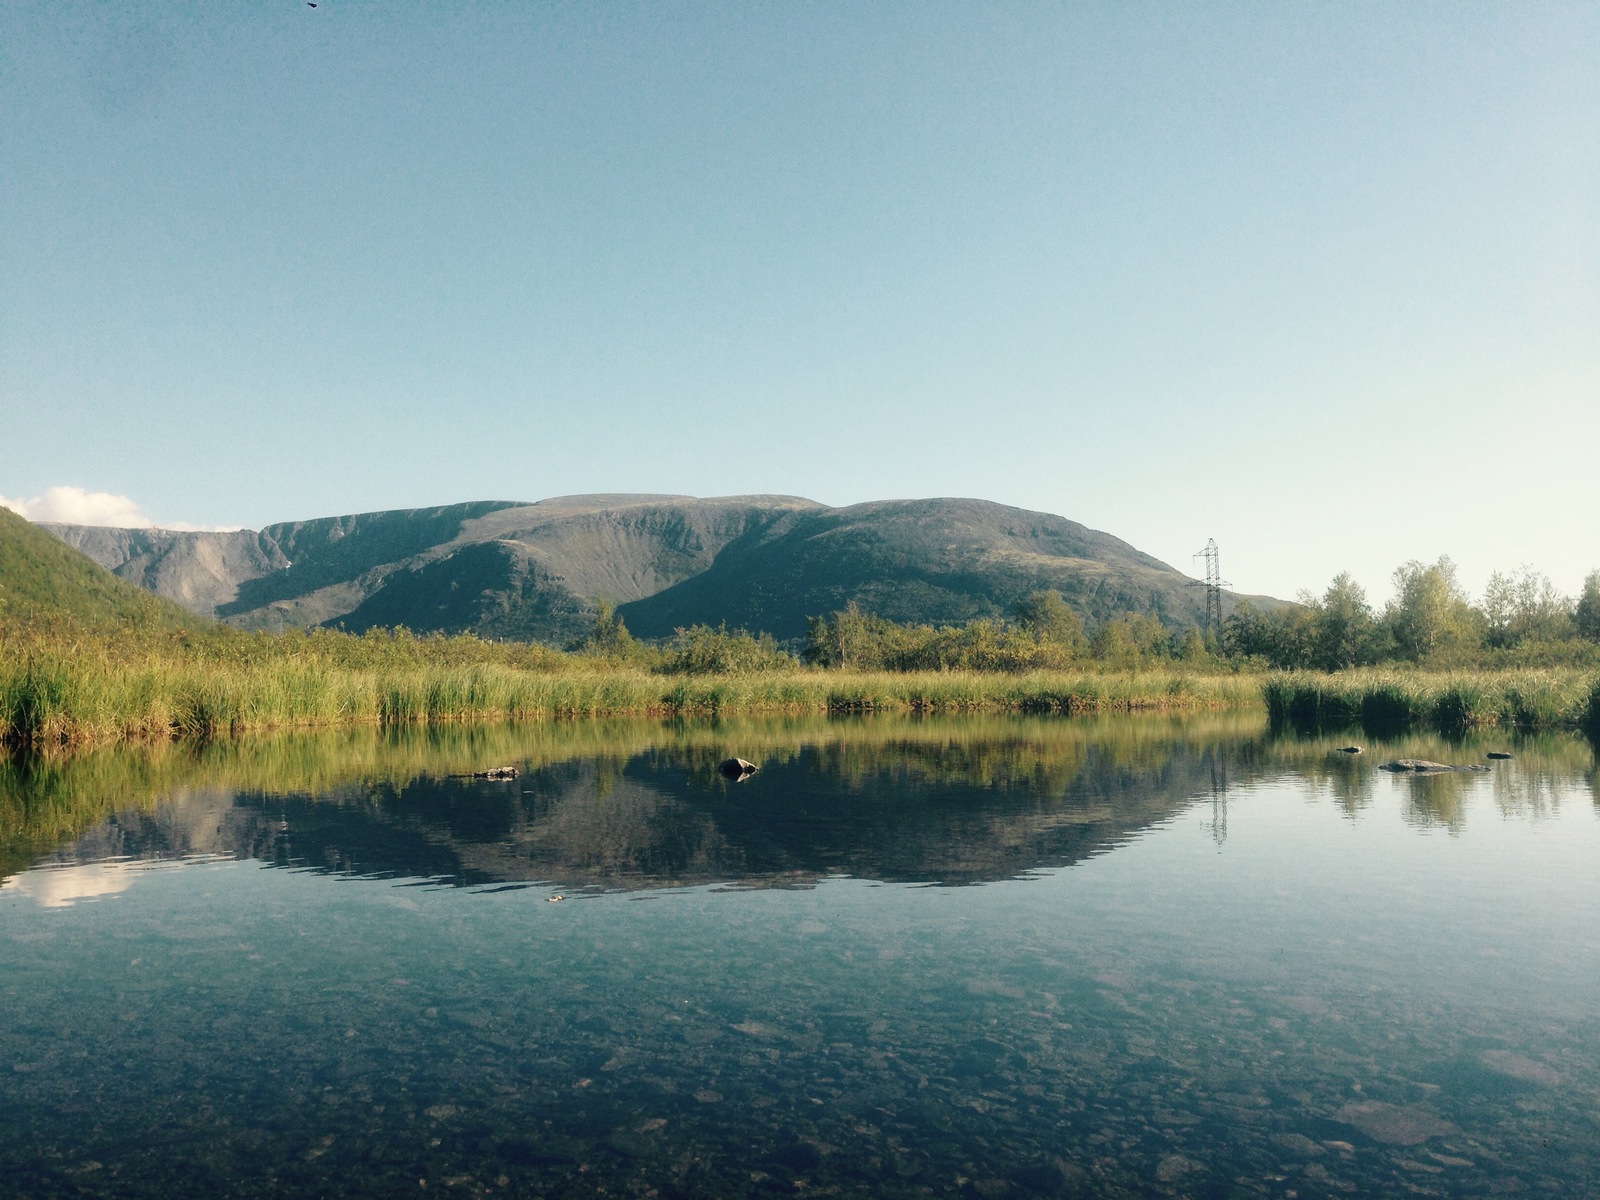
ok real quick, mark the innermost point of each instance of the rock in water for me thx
(1394, 1125)
(497, 773)
(737, 769)
(1423, 766)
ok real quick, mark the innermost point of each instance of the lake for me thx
(990, 957)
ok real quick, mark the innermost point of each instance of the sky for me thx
(1319, 281)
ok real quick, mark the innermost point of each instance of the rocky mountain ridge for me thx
(535, 571)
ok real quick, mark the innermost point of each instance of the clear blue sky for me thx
(1321, 281)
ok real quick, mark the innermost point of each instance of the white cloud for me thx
(75, 506)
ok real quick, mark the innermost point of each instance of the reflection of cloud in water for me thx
(64, 886)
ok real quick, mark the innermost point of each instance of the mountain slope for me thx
(200, 571)
(44, 583)
(935, 561)
(548, 563)
(535, 571)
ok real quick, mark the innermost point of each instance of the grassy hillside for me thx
(492, 589)
(46, 586)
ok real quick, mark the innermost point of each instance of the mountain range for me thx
(536, 571)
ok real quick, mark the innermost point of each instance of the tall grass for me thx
(1529, 699)
(84, 695)
(57, 691)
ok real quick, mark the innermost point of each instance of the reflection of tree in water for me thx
(1350, 785)
(1520, 794)
(1593, 773)
(1438, 799)
(942, 801)
(630, 804)
(1530, 785)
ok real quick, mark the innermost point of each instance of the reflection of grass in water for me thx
(52, 797)
(1546, 761)
(49, 798)
(984, 750)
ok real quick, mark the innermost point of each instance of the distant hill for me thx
(535, 571)
(46, 584)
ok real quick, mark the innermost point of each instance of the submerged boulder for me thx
(737, 768)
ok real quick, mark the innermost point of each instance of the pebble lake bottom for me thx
(1196, 968)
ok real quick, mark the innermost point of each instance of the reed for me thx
(1527, 699)
(86, 695)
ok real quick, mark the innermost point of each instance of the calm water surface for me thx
(1137, 957)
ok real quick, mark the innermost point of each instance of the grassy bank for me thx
(87, 698)
(1532, 699)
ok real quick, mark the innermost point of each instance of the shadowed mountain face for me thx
(534, 571)
(935, 561)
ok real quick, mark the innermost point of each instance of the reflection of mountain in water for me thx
(640, 804)
(666, 818)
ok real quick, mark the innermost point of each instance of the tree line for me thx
(1522, 619)
(1041, 633)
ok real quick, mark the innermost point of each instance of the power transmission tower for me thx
(1214, 584)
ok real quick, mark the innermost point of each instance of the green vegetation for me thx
(1046, 635)
(50, 588)
(1522, 622)
(1526, 699)
(90, 692)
